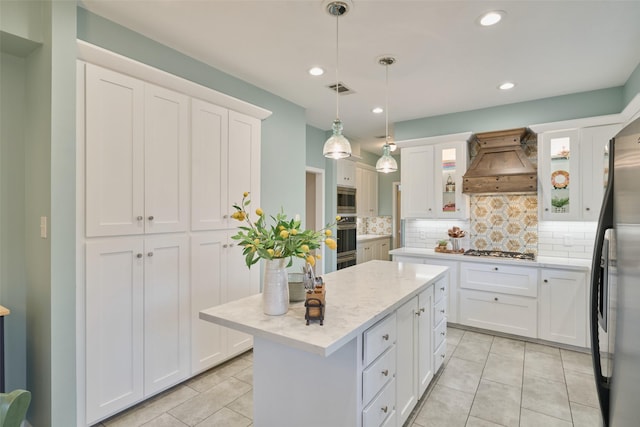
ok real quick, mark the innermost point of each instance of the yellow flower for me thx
(259, 212)
(294, 231)
(271, 252)
(245, 194)
(318, 256)
(331, 244)
(281, 227)
(304, 248)
(338, 217)
(256, 241)
(284, 234)
(327, 233)
(311, 260)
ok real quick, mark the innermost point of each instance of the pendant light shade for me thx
(337, 146)
(387, 163)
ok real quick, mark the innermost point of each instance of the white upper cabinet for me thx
(137, 143)
(573, 166)
(225, 163)
(431, 177)
(346, 173)
(366, 191)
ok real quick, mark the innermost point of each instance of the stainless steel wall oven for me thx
(346, 201)
(346, 251)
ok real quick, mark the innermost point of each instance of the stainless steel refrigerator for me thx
(615, 285)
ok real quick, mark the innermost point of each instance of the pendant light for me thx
(386, 163)
(337, 146)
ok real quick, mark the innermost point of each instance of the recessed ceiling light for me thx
(491, 18)
(316, 71)
(377, 110)
(507, 86)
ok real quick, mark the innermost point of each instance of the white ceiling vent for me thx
(342, 89)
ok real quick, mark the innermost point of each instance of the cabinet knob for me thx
(443, 333)
(546, 209)
(138, 255)
(495, 298)
(429, 209)
(225, 216)
(417, 313)
(442, 288)
(149, 253)
(442, 311)
(385, 409)
(442, 355)
(139, 217)
(225, 245)
(587, 209)
(150, 218)
(422, 310)
(495, 268)
(385, 372)
(546, 281)
(385, 337)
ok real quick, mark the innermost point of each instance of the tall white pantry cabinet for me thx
(156, 199)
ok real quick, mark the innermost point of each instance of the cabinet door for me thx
(114, 325)
(382, 249)
(346, 173)
(416, 175)
(208, 277)
(595, 167)
(563, 307)
(114, 165)
(166, 312)
(372, 192)
(407, 361)
(209, 174)
(166, 162)
(425, 339)
(449, 167)
(244, 160)
(241, 282)
(559, 165)
(362, 202)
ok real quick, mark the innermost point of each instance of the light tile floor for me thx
(486, 381)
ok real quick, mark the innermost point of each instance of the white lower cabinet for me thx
(563, 307)
(414, 348)
(217, 277)
(137, 309)
(373, 249)
(499, 297)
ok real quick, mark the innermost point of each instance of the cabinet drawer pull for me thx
(138, 255)
(385, 409)
(495, 268)
(545, 281)
(385, 372)
(385, 337)
(495, 299)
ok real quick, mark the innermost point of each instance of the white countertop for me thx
(369, 237)
(356, 298)
(548, 262)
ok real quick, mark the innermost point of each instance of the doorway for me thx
(314, 206)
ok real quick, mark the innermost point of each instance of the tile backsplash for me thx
(504, 222)
(375, 225)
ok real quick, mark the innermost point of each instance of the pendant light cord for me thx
(386, 110)
(337, 81)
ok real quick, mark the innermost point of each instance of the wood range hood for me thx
(501, 165)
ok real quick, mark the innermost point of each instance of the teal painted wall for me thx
(385, 189)
(13, 286)
(632, 87)
(283, 133)
(580, 105)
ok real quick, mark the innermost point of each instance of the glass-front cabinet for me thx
(431, 176)
(573, 171)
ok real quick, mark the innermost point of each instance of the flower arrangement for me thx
(282, 239)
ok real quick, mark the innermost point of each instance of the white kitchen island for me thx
(369, 363)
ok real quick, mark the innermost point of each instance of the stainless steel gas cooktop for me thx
(501, 254)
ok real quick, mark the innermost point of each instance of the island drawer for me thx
(439, 355)
(439, 311)
(378, 338)
(383, 406)
(440, 333)
(378, 374)
(441, 288)
(505, 279)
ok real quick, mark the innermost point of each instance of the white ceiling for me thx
(446, 62)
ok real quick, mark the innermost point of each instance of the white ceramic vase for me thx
(275, 288)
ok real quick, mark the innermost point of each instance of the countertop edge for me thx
(577, 264)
